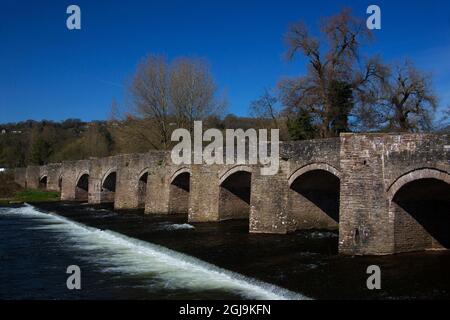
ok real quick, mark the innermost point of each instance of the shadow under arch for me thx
(180, 186)
(235, 193)
(82, 187)
(313, 199)
(43, 181)
(419, 202)
(142, 187)
(108, 189)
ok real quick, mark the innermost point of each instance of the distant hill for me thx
(36, 142)
(40, 142)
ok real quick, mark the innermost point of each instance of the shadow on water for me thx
(306, 261)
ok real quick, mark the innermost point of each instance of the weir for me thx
(141, 257)
(384, 193)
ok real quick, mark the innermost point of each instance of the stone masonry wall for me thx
(179, 199)
(131, 168)
(99, 171)
(20, 177)
(304, 157)
(268, 207)
(33, 175)
(204, 193)
(71, 171)
(370, 164)
(53, 174)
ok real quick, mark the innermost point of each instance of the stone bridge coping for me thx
(422, 173)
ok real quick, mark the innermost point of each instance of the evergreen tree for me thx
(40, 152)
(301, 127)
(340, 95)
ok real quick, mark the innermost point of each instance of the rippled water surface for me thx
(129, 255)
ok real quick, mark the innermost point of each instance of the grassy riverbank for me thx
(30, 196)
(11, 193)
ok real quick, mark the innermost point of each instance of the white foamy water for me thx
(175, 226)
(173, 270)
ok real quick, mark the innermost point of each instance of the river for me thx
(129, 255)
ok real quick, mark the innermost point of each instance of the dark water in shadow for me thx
(34, 261)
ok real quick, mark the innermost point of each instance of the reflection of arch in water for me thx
(419, 203)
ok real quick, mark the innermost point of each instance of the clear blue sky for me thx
(49, 72)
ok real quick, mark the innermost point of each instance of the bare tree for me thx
(408, 102)
(165, 96)
(193, 92)
(326, 92)
(150, 92)
(266, 107)
(444, 123)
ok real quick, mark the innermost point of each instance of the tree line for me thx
(342, 90)
(42, 142)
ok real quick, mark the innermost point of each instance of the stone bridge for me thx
(384, 193)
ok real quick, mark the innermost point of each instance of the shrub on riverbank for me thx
(8, 188)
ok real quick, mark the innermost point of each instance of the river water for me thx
(129, 255)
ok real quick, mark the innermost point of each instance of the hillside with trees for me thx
(41, 142)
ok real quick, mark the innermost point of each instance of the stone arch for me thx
(232, 171)
(82, 186)
(43, 182)
(235, 193)
(421, 173)
(107, 174)
(143, 172)
(419, 203)
(313, 197)
(108, 186)
(313, 166)
(178, 172)
(142, 181)
(180, 186)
